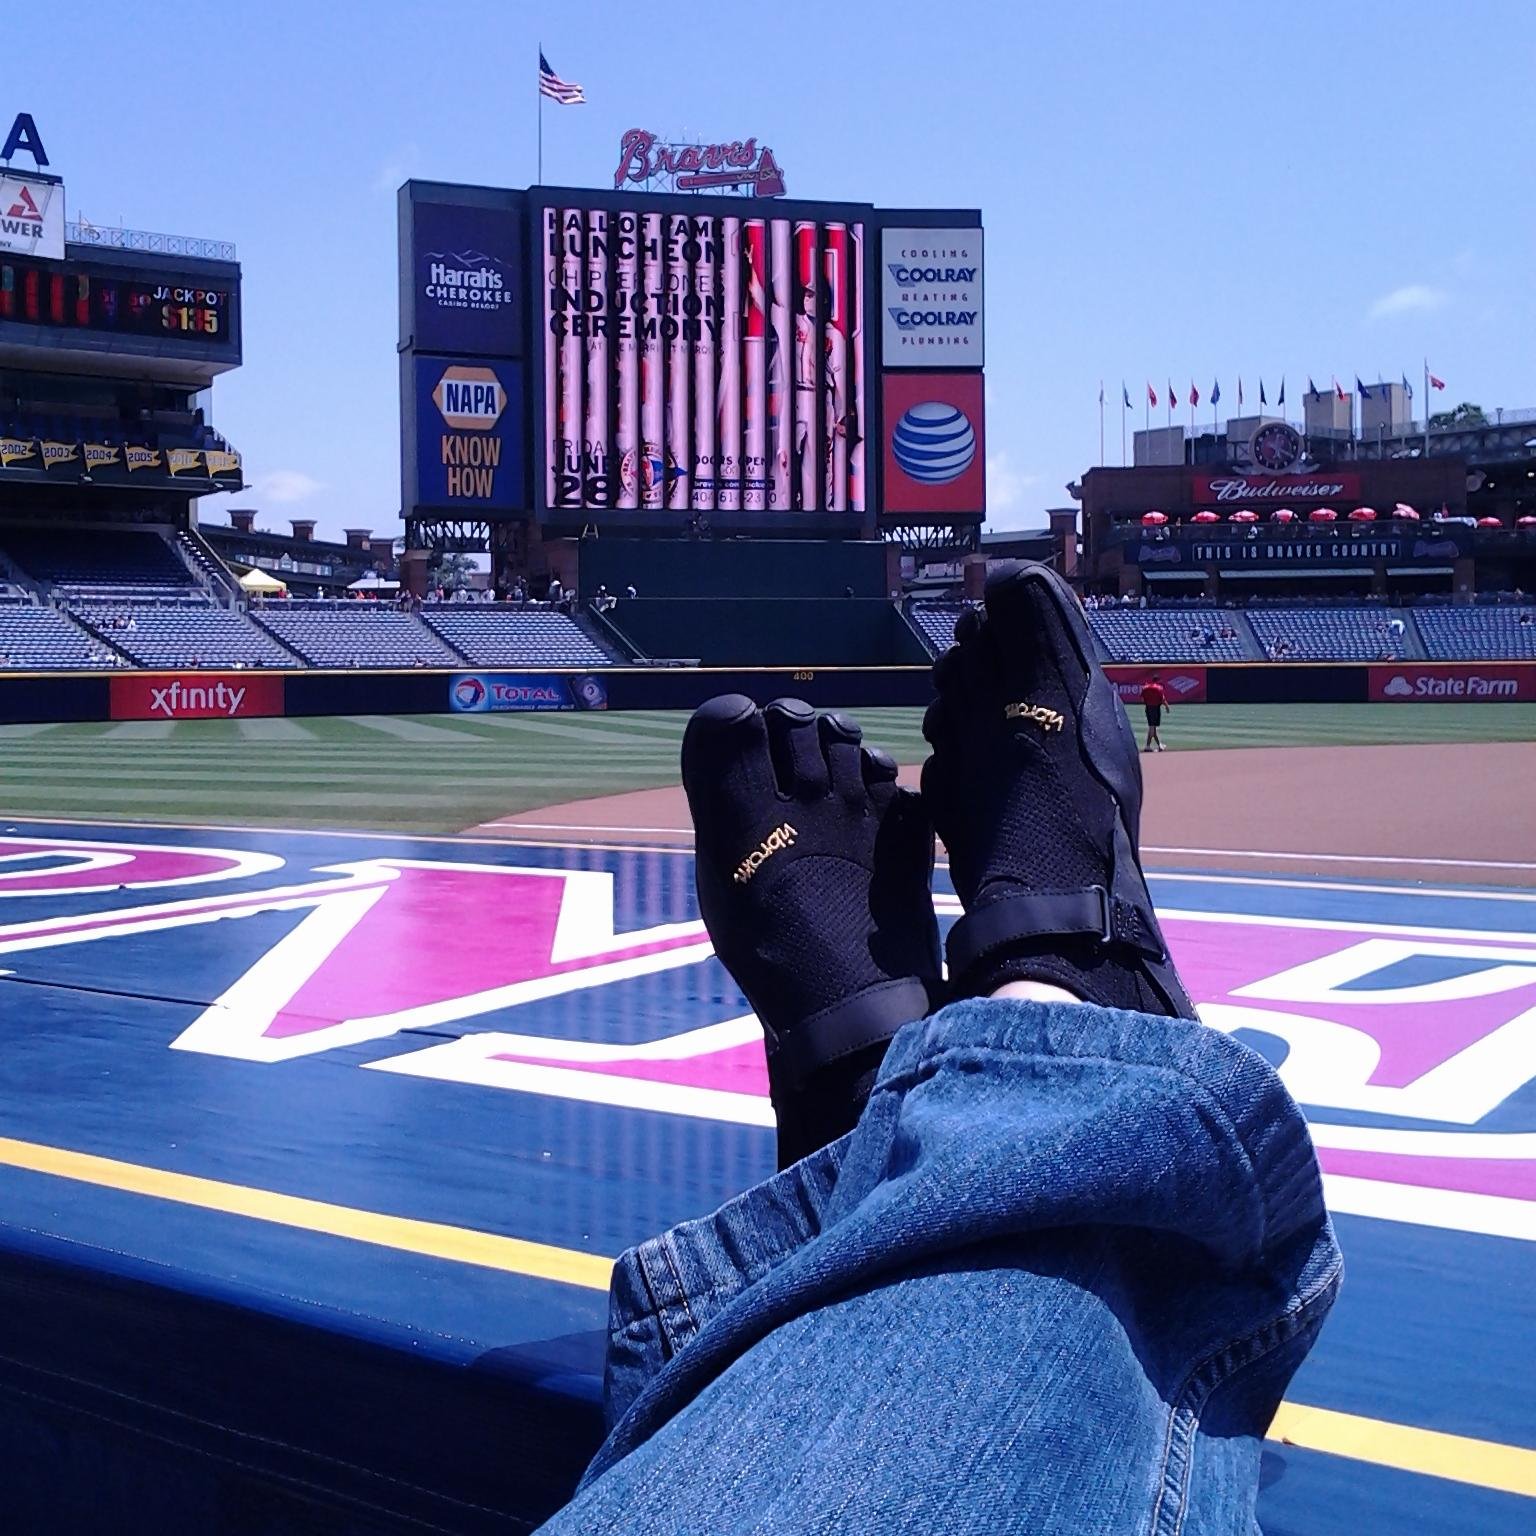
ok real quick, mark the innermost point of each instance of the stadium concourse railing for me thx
(33, 697)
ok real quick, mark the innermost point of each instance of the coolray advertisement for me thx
(935, 443)
(706, 364)
(469, 433)
(478, 693)
(466, 276)
(933, 314)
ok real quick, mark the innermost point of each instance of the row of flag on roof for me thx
(1171, 399)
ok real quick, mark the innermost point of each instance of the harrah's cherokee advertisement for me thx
(703, 364)
(467, 279)
(478, 693)
(935, 443)
(469, 435)
(933, 315)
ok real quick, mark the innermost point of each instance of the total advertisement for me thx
(1183, 685)
(466, 275)
(195, 695)
(478, 693)
(1456, 683)
(935, 449)
(931, 297)
(705, 364)
(469, 437)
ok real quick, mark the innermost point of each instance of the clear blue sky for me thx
(1170, 190)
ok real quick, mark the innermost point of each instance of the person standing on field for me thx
(1154, 699)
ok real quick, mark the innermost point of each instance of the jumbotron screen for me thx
(703, 363)
(66, 295)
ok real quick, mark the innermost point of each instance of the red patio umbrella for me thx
(1206, 517)
(1404, 513)
(1489, 522)
(1245, 516)
(1525, 522)
(1363, 515)
(1283, 515)
(1322, 515)
(1154, 519)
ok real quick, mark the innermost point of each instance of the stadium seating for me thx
(936, 623)
(1478, 634)
(1169, 634)
(192, 633)
(353, 634)
(44, 640)
(98, 560)
(498, 636)
(1327, 633)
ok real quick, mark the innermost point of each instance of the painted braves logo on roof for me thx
(1412, 1048)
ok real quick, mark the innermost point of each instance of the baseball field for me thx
(445, 773)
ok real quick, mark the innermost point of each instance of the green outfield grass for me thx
(442, 773)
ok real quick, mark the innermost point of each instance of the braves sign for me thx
(698, 167)
(1413, 1047)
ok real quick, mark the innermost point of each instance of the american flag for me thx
(565, 92)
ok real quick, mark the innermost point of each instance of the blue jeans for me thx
(1056, 1280)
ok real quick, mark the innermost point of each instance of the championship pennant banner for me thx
(703, 364)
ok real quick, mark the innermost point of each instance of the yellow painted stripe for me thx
(1483, 1463)
(432, 1239)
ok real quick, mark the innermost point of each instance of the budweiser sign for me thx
(1277, 488)
(698, 167)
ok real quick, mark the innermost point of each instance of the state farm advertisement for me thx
(1491, 682)
(1183, 685)
(196, 695)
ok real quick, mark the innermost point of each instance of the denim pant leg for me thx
(1056, 1280)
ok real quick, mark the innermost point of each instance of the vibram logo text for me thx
(1047, 719)
(781, 837)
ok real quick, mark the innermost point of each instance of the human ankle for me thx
(1035, 992)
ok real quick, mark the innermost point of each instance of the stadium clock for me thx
(1275, 446)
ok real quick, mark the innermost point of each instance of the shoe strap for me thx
(865, 1019)
(1091, 913)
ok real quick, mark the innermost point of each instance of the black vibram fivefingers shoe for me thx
(813, 872)
(1035, 787)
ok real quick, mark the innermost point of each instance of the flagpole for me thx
(540, 181)
(1101, 421)
(1426, 407)
(1123, 409)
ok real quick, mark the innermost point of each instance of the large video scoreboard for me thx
(658, 361)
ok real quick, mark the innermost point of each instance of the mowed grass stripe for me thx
(346, 773)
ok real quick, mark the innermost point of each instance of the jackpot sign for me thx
(933, 315)
(1410, 1042)
(702, 363)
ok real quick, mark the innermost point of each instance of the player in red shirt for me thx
(1154, 699)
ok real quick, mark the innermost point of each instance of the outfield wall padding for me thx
(45, 697)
